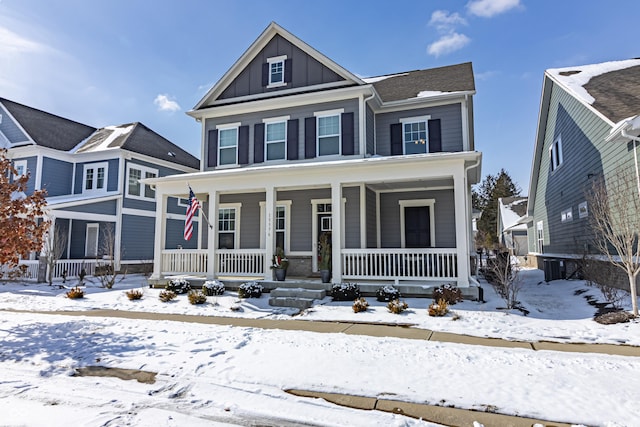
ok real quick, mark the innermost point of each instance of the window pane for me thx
(228, 156)
(228, 137)
(328, 126)
(329, 145)
(275, 151)
(275, 131)
(134, 184)
(226, 241)
(415, 138)
(89, 180)
(100, 183)
(277, 69)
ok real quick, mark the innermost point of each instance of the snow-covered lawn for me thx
(209, 374)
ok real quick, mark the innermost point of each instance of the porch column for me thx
(117, 249)
(269, 228)
(212, 235)
(337, 230)
(462, 231)
(160, 233)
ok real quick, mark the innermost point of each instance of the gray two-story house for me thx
(92, 181)
(585, 113)
(295, 147)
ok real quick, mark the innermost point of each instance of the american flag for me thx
(192, 208)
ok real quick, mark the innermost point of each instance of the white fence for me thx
(69, 268)
(241, 262)
(184, 261)
(420, 264)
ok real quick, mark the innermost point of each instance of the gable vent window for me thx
(555, 154)
(276, 71)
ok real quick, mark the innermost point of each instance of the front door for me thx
(417, 227)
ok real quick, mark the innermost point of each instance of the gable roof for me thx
(256, 47)
(424, 83)
(46, 129)
(137, 138)
(512, 211)
(610, 88)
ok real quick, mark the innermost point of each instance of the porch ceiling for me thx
(410, 185)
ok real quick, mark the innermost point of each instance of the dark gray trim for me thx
(309, 137)
(347, 134)
(212, 149)
(258, 143)
(288, 71)
(396, 139)
(435, 136)
(243, 145)
(292, 139)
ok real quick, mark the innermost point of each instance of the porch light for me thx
(420, 141)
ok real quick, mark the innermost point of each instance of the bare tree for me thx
(54, 245)
(614, 216)
(106, 270)
(502, 273)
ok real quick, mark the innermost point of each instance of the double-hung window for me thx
(95, 177)
(276, 71)
(555, 153)
(228, 144)
(415, 135)
(134, 188)
(328, 133)
(21, 168)
(228, 226)
(540, 236)
(275, 137)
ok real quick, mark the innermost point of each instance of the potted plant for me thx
(279, 264)
(324, 264)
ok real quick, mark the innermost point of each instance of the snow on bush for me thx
(213, 287)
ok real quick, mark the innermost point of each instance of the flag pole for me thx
(200, 209)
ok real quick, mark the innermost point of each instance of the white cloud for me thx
(445, 21)
(448, 43)
(490, 8)
(12, 43)
(165, 104)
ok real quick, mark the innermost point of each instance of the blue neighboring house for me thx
(92, 180)
(298, 151)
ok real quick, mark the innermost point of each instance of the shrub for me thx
(166, 296)
(213, 287)
(196, 297)
(345, 292)
(75, 293)
(387, 293)
(397, 307)
(360, 304)
(250, 290)
(440, 308)
(134, 294)
(450, 293)
(179, 286)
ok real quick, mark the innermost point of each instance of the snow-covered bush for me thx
(197, 297)
(360, 304)
(75, 293)
(387, 293)
(134, 294)
(179, 286)
(397, 307)
(440, 308)
(166, 296)
(450, 293)
(213, 287)
(345, 291)
(250, 290)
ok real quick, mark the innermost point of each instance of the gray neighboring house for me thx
(295, 147)
(512, 231)
(92, 179)
(585, 130)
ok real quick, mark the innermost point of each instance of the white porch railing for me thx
(184, 261)
(240, 262)
(402, 264)
(69, 267)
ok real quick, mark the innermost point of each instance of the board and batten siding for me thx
(586, 156)
(305, 71)
(450, 125)
(57, 176)
(297, 113)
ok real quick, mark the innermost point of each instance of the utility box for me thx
(554, 269)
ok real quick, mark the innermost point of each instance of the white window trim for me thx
(283, 59)
(566, 215)
(539, 236)
(429, 203)
(16, 165)
(143, 170)
(287, 218)
(583, 210)
(95, 166)
(329, 113)
(555, 154)
(95, 226)
(236, 236)
(416, 119)
(228, 126)
(266, 144)
(181, 204)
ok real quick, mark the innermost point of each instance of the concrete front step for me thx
(299, 303)
(299, 293)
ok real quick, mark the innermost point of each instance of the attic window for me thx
(276, 71)
(569, 73)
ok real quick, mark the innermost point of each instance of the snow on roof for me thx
(575, 78)
(106, 137)
(380, 78)
(509, 208)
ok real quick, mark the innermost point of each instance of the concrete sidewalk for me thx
(447, 416)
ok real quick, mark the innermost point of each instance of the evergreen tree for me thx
(485, 198)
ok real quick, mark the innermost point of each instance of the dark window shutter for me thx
(396, 139)
(212, 149)
(287, 70)
(265, 74)
(435, 138)
(347, 134)
(292, 139)
(309, 137)
(243, 145)
(258, 143)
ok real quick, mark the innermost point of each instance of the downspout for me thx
(364, 128)
(635, 139)
(466, 215)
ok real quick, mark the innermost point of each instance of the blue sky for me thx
(107, 62)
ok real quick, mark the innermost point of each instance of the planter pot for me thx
(281, 274)
(325, 276)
